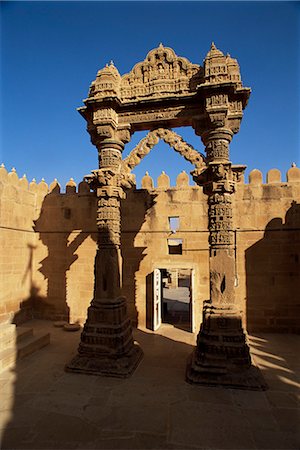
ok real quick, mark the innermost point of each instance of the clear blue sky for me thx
(51, 51)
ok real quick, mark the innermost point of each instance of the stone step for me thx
(23, 333)
(9, 335)
(31, 344)
(27, 345)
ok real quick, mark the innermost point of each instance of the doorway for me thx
(170, 298)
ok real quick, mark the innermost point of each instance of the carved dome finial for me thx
(213, 52)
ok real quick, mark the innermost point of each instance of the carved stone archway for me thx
(171, 138)
(162, 92)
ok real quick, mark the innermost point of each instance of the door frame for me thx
(157, 298)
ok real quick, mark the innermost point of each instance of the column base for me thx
(250, 378)
(107, 347)
(120, 367)
(222, 356)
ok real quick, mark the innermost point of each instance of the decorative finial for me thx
(147, 173)
(111, 63)
(55, 179)
(13, 169)
(163, 172)
(160, 45)
(71, 179)
(24, 176)
(43, 179)
(33, 180)
(293, 164)
(213, 47)
(3, 166)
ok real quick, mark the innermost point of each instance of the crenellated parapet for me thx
(42, 188)
(274, 176)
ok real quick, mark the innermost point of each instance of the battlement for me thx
(12, 179)
(255, 179)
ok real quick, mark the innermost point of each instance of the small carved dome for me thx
(109, 70)
(107, 82)
(213, 52)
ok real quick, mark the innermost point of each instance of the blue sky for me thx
(51, 51)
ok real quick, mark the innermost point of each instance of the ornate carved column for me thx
(107, 347)
(222, 354)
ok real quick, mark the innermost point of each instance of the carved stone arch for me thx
(171, 138)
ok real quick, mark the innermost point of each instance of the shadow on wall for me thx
(133, 211)
(35, 300)
(65, 223)
(272, 276)
(61, 215)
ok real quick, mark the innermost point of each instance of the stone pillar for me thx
(107, 347)
(222, 355)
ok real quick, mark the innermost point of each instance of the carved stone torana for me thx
(166, 90)
(159, 93)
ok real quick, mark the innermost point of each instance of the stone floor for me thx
(43, 407)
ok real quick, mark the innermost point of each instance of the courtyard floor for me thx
(42, 407)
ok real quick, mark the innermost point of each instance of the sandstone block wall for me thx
(268, 251)
(48, 245)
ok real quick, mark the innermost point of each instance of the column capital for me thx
(217, 133)
(216, 143)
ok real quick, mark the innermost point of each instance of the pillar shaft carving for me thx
(107, 347)
(222, 355)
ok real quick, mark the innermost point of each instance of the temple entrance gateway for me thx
(162, 92)
(170, 299)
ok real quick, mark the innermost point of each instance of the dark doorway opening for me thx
(176, 298)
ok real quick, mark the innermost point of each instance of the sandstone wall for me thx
(19, 207)
(48, 245)
(268, 251)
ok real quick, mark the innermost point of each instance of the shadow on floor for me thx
(44, 407)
